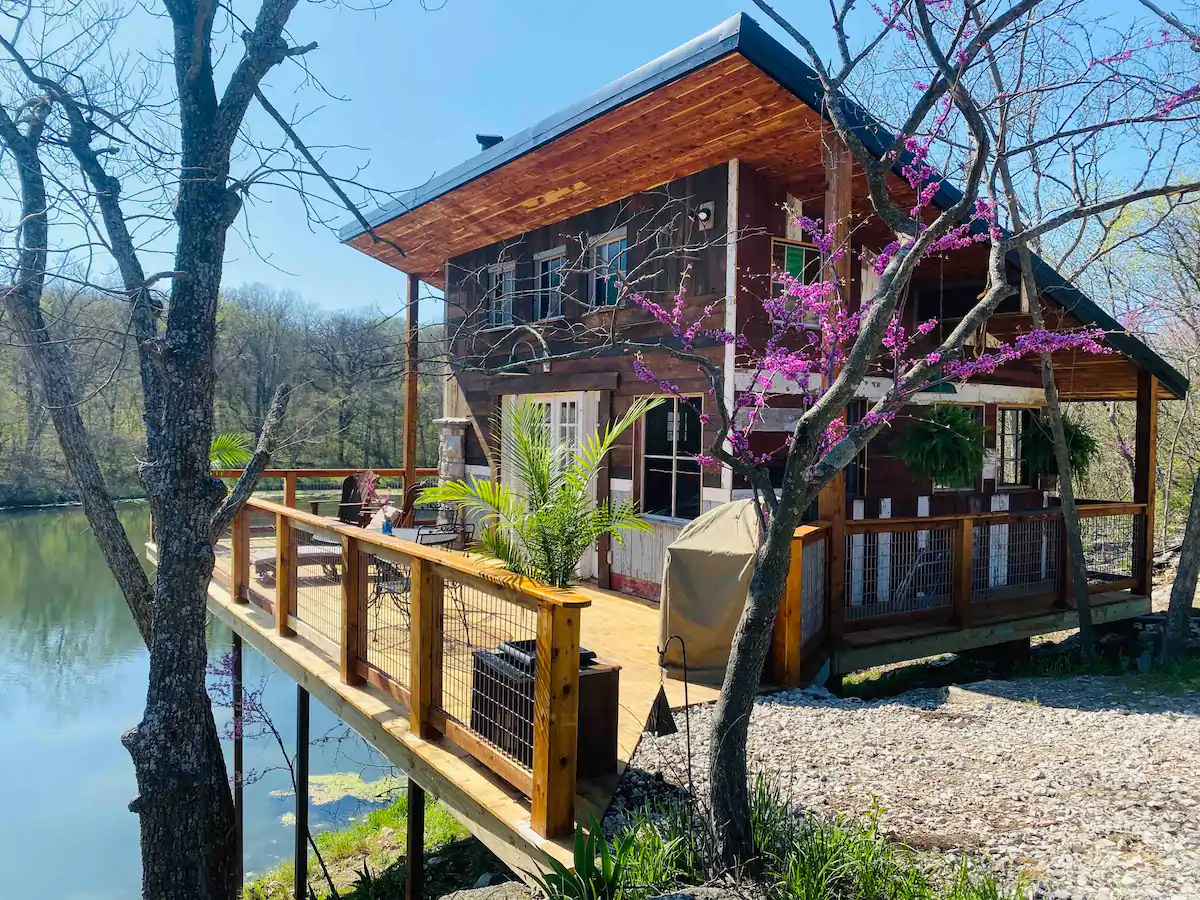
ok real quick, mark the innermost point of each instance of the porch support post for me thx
(1145, 466)
(414, 872)
(239, 761)
(410, 382)
(300, 883)
(604, 495)
(831, 502)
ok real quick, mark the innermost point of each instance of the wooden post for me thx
(410, 383)
(289, 489)
(555, 720)
(239, 760)
(603, 495)
(960, 593)
(1145, 477)
(414, 871)
(300, 882)
(240, 571)
(831, 502)
(354, 585)
(425, 610)
(786, 636)
(285, 573)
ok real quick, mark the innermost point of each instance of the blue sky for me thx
(419, 85)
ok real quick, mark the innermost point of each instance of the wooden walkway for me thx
(621, 630)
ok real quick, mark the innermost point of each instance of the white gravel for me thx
(1084, 784)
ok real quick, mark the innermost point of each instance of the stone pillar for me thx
(452, 452)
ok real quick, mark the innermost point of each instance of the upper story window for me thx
(503, 287)
(670, 473)
(801, 261)
(609, 266)
(548, 299)
(1012, 423)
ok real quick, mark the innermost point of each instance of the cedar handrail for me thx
(550, 782)
(923, 523)
(325, 473)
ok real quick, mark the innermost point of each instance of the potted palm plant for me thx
(543, 525)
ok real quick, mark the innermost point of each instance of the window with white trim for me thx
(1011, 425)
(671, 479)
(800, 261)
(501, 290)
(609, 266)
(549, 299)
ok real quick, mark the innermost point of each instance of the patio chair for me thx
(392, 583)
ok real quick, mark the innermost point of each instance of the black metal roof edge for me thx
(695, 54)
(791, 72)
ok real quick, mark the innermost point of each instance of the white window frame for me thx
(674, 458)
(1001, 458)
(502, 287)
(594, 244)
(549, 301)
(788, 242)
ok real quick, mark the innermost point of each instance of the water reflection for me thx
(72, 679)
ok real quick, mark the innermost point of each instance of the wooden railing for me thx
(292, 478)
(953, 567)
(424, 624)
(801, 622)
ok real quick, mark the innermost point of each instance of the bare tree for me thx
(118, 171)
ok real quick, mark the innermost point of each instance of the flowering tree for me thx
(1002, 136)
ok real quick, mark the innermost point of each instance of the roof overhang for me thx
(733, 92)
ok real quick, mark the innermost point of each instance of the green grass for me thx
(346, 850)
(799, 857)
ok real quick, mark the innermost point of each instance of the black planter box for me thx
(502, 687)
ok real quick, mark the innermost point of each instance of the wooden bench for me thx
(328, 557)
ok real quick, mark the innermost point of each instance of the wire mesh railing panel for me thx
(385, 618)
(1110, 546)
(318, 584)
(488, 671)
(894, 572)
(223, 553)
(262, 559)
(812, 589)
(1015, 558)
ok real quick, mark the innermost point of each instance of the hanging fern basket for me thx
(945, 446)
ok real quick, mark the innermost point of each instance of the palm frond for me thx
(544, 528)
(229, 451)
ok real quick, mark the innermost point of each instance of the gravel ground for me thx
(1085, 784)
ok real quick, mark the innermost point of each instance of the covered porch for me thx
(871, 591)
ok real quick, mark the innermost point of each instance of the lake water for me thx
(72, 680)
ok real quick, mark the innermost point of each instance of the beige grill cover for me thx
(706, 576)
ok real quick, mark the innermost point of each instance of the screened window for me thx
(500, 294)
(1011, 427)
(549, 287)
(801, 261)
(670, 473)
(609, 268)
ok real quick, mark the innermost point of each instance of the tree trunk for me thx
(729, 796)
(1183, 591)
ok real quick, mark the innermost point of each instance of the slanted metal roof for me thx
(741, 34)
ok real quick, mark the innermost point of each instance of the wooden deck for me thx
(897, 643)
(620, 629)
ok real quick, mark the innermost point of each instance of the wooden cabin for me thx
(688, 173)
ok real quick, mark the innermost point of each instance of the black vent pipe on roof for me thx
(488, 141)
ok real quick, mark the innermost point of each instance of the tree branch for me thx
(268, 442)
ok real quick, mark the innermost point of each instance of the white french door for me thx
(569, 415)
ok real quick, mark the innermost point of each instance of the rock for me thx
(483, 880)
(507, 890)
(703, 893)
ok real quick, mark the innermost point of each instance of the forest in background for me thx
(347, 369)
